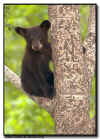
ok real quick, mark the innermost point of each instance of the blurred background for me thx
(21, 114)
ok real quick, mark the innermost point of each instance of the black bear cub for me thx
(36, 77)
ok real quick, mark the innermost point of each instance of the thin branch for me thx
(90, 56)
(15, 80)
(90, 42)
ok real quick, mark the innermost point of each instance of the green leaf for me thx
(51, 66)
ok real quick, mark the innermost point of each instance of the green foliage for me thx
(84, 14)
(22, 115)
(51, 66)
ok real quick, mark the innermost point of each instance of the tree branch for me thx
(15, 80)
(90, 43)
(90, 55)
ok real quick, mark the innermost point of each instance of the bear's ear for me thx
(21, 31)
(45, 24)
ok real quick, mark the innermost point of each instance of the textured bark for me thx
(72, 100)
(90, 55)
(90, 43)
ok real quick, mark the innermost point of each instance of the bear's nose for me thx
(35, 47)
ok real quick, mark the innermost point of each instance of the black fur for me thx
(36, 77)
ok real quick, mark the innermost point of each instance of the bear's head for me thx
(36, 37)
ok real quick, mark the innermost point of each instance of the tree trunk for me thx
(72, 82)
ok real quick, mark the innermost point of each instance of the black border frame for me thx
(96, 117)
